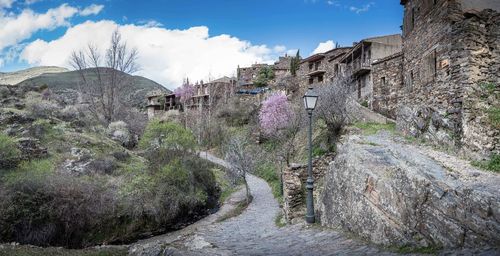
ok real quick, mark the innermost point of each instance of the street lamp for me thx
(310, 99)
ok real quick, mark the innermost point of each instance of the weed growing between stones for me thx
(492, 165)
(373, 128)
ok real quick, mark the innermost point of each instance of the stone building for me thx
(159, 102)
(206, 95)
(211, 93)
(387, 77)
(321, 68)
(451, 73)
(282, 67)
(358, 62)
(247, 75)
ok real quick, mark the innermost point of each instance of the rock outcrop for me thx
(392, 193)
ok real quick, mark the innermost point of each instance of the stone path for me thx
(253, 232)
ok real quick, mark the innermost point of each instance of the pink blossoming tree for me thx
(275, 114)
(185, 92)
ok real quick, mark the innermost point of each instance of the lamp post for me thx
(310, 99)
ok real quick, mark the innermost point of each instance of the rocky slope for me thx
(13, 78)
(392, 192)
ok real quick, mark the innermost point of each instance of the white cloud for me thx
(166, 56)
(93, 9)
(6, 3)
(150, 23)
(359, 10)
(324, 47)
(16, 28)
(279, 48)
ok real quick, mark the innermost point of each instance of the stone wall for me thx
(387, 84)
(294, 190)
(398, 195)
(448, 55)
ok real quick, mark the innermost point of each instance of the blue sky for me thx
(270, 27)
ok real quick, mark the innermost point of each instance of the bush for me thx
(237, 114)
(10, 155)
(41, 108)
(69, 113)
(55, 210)
(167, 135)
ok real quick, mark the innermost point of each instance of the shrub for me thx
(10, 155)
(167, 135)
(237, 114)
(55, 210)
(69, 113)
(41, 108)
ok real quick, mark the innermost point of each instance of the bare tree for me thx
(332, 105)
(104, 76)
(241, 159)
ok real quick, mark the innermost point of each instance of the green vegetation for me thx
(279, 220)
(34, 169)
(9, 153)
(488, 87)
(295, 64)
(224, 184)
(364, 104)
(266, 74)
(167, 135)
(236, 211)
(267, 171)
(373, 128)
(492, 165)
(318, 151)
(494, 117)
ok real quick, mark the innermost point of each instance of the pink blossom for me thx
(185, 92)
(275, 114)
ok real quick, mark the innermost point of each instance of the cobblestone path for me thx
(254, 232)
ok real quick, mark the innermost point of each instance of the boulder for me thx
(393, 193)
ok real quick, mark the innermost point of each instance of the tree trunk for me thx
(247, 189)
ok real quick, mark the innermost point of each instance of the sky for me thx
(197, 39)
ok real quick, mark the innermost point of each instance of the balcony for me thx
(315, 72)
(360, 67)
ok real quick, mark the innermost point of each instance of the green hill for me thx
(66, 85)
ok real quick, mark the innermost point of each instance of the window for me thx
(320, 79)
(428, 67)
(311, 80)
(383, 80)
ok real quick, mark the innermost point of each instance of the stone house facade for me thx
(387, 77)
(211, 93)
(206, 95)
(159, 102)
(320, 68)
(451, 73)
(358, 62)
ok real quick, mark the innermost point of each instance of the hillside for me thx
(68, 180)
(13, 78)
(66, 85)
